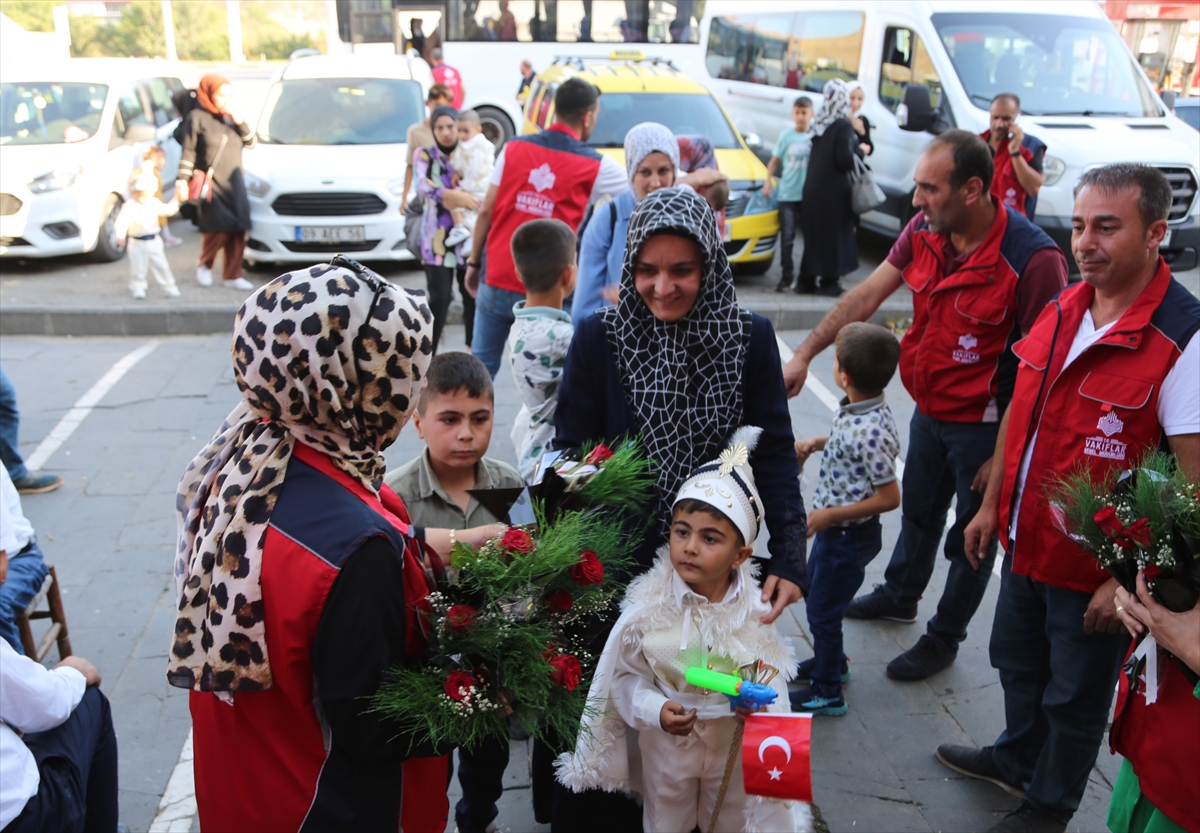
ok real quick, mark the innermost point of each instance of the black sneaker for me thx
(976, 763)
(784, 285)
(804, 671)
(922, 660)
(1028, 819)
(807, 701)
(878, 605)
(805, 286)
(830, 289)
(37, 484)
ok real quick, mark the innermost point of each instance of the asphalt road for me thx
(110, 530)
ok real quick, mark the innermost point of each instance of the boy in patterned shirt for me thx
(544, 256)
(857, 483)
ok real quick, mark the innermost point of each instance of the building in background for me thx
(1165, 37)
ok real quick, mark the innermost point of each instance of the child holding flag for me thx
(698, 607)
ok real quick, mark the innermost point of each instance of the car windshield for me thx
(682, 113)
(340, 111)
(47, 113)
(1057, 64)
(1189, 114)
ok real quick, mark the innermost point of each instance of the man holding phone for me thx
(1017, 158)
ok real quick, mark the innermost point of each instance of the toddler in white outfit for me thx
(472, 161)
(138, 227)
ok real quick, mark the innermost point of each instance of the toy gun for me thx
(740, 692)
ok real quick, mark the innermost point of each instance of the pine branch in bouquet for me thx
(1078, 499)
(624, 481)
(1181, 502)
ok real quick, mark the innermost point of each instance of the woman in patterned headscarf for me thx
(291, 576)
(677, 363)
(826, 218)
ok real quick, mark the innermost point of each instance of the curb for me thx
(43, 320)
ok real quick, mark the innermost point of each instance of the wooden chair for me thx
(57, 632)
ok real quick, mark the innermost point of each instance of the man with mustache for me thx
(979, 274)
(1110, 369)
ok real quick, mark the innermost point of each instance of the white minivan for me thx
(71, 134)
(929, 65)
(327, 173)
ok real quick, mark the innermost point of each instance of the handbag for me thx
(413, 213)
(200, 185)
(865, 193)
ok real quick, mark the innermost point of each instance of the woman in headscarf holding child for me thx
(826, 218)
(678, 364)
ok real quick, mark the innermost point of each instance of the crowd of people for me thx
(296, 541)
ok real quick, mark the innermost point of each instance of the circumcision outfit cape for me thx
(674, 629)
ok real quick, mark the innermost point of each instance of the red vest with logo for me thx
(549, 174)
(1159, 741)
(1005, 186)
(1099, 413)
(954, 359)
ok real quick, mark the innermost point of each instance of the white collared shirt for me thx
(32, 699)
(15, 531)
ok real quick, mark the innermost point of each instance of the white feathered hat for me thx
(727, 484)
(145, 180)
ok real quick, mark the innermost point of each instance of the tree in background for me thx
(137, 34)
(201, 30)
(30, 15)
(263, 33)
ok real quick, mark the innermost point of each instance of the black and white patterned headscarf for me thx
(682, 380)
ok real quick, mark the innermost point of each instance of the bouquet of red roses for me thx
(507, 632)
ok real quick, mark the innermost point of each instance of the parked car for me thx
(1187, 110)
(71, 134)
(327, 174)
(635, 89)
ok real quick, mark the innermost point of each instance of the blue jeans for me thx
(481, 776)
(9, 422)
(493, 319)
(1058, 684)
(77, 762)
(943, 458)
(26, 572)
(837, 567)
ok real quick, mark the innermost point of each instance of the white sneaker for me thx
(170, 240)
(172, 291)
(457, 235)
(203, 275)
(238, 283)
(139, 294)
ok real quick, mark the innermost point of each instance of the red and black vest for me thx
(550, 174)
(1099, 413)
(955, 359)
(1158, 740)
(258, 761)
(1005, 186)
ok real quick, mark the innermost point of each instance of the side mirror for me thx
(138, 133)
(1168, 99)
(752, 139)
(915, 113)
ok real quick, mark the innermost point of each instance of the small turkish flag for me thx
(775, 756)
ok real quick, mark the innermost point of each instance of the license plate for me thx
(330, 234)
(1166, 241)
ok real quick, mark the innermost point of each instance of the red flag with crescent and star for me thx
(775, 756)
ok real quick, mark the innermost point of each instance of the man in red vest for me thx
(445, 74)
(549, 174)
(1110, 371)
(1018, 158)
(979, 274)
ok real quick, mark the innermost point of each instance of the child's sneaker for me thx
(204, 276)
(172, 291)
(457, 235)
(807, 701)
(171, 240)
(804, 671)
(139, 294)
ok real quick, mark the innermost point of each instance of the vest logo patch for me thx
(1110, 424)
(1105, 446)
(966, 355)
(535, 204)
(542, 177)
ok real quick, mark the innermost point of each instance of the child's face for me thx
(468, 130)
(803, 118)
(705, 550)
(457, 428)
(856, 99)
(142, 196)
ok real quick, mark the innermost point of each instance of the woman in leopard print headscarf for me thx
(291, 574)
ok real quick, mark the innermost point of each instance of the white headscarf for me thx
(647, 138)
(834, 106)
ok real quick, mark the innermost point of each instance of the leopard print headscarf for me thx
(316, 364)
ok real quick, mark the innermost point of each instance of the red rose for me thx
(517, 541)
(458, 685)
(1139, 532)
(599, 455)
(560, 601)
(589, 570)
(1108, 521)
(567, 672)
(1152, 572)
(460, 617)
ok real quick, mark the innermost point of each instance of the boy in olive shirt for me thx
(793, 149)
(454, 418)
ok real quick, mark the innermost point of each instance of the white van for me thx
(1081, 91)
(327, 174)
(71, 134)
